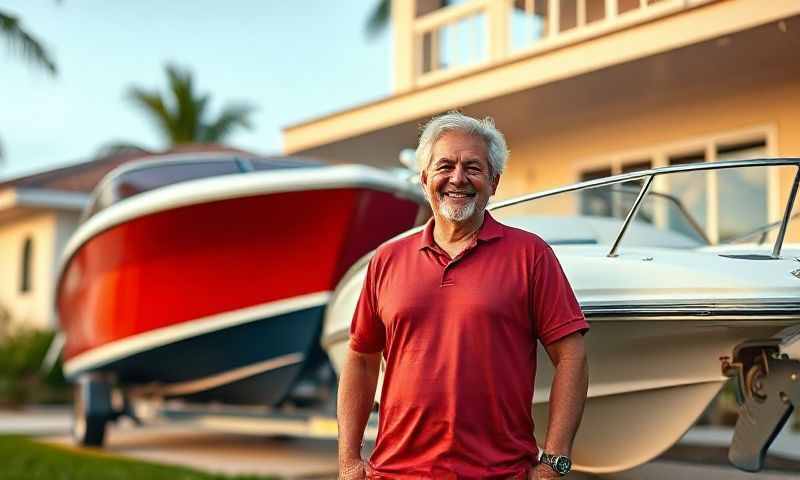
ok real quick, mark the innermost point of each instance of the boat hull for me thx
(226, 365)
(649, 378)
(218, 288)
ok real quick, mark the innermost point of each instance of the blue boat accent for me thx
(223, 350)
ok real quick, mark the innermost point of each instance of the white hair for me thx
(457, 121)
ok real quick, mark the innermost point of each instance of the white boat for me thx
(665, 303)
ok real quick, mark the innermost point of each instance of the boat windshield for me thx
(152, 174)
(684, 209)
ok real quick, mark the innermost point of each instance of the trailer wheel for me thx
(92, 411)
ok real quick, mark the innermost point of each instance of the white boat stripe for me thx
(214, 381)
(163, 336)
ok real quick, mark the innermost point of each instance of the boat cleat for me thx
(768, 389)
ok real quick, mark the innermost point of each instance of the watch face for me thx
(562, 465)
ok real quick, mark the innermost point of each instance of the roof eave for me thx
(40, 198)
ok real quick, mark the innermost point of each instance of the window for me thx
(689, 189)
(727, 203)
(713, 200)
(613, 201)
(749, 186)
(25, 271)
(597, 201)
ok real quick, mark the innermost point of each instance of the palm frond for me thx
(199, 107)
(231, 117)
(187, 120)
(181, 113)
(379, 18)
(153, 105)
(25, 44)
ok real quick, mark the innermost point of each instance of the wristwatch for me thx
(561, 464)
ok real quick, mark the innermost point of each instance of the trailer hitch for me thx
(768, 390)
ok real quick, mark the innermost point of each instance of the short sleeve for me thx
(367, 333)
(555, 310)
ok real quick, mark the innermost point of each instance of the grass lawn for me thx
(25, 459)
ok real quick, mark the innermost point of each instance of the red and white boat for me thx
(205, 277)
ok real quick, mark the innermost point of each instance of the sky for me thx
(292, 60)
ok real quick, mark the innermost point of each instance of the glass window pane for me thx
(528, 23)
(460, 43)
(260, 164)
(564, 219)
(141, 180)
(785, 179)
(27, 255)
(596, 201)
(645, 213)
(690, 190)
(136, 181)
(742, 192)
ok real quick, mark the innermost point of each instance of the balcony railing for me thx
(455, 39)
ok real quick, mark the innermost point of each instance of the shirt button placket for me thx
(447, 275)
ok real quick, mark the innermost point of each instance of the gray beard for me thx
(457, 214)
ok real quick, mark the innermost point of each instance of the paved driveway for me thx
(186, 444)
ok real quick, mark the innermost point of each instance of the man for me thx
(457, 310)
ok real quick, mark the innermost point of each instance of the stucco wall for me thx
(548, 156)
(545, 158)
(32, 307)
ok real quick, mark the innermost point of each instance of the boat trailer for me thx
(767, 374)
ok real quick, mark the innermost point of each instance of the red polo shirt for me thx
(459, 339)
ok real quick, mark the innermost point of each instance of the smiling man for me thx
(457, 311)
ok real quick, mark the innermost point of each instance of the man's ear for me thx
(423, 177)
(495, 183)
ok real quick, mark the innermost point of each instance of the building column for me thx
(405, 55)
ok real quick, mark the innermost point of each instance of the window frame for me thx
(660, 154)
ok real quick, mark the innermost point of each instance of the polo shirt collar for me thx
(490, 229)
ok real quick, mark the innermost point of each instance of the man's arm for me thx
(567, 396)
(357, 385)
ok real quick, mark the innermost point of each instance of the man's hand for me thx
(357, 385)
(542, 472)
(352, 470)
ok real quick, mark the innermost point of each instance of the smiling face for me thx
(458, 181)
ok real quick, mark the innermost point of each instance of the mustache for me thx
(461, 192)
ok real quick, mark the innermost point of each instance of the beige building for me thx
(34, 226)
(588, 88)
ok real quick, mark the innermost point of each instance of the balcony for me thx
(465, 36)
(597, 66)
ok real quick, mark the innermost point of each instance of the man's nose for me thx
(459, 175)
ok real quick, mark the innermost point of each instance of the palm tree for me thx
(181, 117)
(379, 18)
(26, 45)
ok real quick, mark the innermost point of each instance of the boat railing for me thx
(648, 176)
